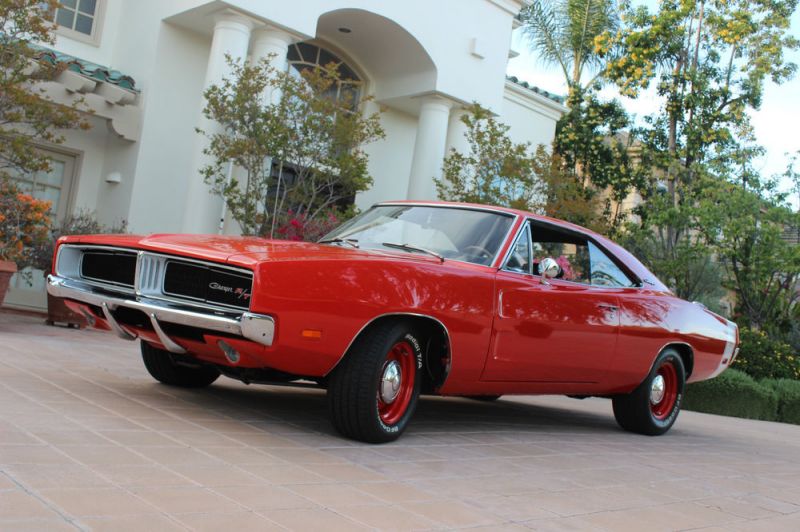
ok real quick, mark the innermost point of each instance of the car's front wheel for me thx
(653, 406)
(163, 368)
(374, 390)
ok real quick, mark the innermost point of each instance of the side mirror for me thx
(549, 268)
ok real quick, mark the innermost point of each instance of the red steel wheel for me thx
(654, 405)
(396, 386)
(664, 390)
(373, 391)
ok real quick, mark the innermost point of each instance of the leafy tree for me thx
(688, 267)
(709, 61)
(27, 117)
(495, 171)
(301, 154)
(595, 147)
(744, 224)
(590, 150)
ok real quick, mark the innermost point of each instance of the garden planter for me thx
(59, 313)
(7, 269)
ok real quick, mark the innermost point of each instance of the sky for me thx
(776, 123)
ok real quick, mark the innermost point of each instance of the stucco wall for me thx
(165, 47)
(390, 159)
(172, 107)
(530, 120)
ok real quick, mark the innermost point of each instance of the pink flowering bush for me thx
(298, 227)
(566, 268)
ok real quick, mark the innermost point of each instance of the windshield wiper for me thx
(409, 247)
(349, 241)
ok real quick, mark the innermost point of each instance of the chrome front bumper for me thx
(256, 327)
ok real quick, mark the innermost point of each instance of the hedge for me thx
(788, 392)
(733, 393)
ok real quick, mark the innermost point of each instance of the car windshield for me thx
(468, 235)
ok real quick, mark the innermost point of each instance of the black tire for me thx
(636, 412)
(484, 398)
(354, 397)
(164, 369)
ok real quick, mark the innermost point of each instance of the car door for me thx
(556, 330)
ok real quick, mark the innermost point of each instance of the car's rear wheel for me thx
(653, 406)
(163, 368)
(373, 392)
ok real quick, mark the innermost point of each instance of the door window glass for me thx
(570, 251)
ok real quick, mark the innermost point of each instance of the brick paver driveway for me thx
(89, 441)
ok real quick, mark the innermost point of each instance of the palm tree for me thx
(562, 32)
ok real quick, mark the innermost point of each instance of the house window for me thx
(305, 56)
(79, 19)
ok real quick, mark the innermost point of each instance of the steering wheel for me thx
(478, 252)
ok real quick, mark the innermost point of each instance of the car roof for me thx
(504, 210)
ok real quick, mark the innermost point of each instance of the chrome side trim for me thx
(230, 322)
(166, 341)
(115, 326)
(412, 314)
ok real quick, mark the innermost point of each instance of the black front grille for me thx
(209, 284)
(115, 267)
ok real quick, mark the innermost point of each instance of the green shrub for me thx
(765, 357)
(733, 394)
(788, 392)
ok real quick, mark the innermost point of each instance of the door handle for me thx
(607, 306)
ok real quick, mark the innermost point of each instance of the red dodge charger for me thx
(406, 298)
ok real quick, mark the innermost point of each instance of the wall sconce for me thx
(114, 177)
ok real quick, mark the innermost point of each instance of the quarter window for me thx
(604, 271)
(520, 258)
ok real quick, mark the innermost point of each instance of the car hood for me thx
(239, 251)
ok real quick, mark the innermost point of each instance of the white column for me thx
(429, 148)
(271, 43)
(232, 37)
(267, 43)
(457, 132)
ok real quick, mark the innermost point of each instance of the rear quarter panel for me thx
(649, 321)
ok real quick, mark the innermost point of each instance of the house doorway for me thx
(28, 291)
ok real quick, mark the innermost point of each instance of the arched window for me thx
(303, 56)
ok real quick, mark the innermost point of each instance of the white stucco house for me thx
(142, 67)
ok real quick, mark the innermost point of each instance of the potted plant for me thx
(24, 226)
(83, 222)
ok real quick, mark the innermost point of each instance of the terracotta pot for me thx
(58, 312)
(7, 269)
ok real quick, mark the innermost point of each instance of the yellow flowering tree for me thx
(708, 62)
(24, 225)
